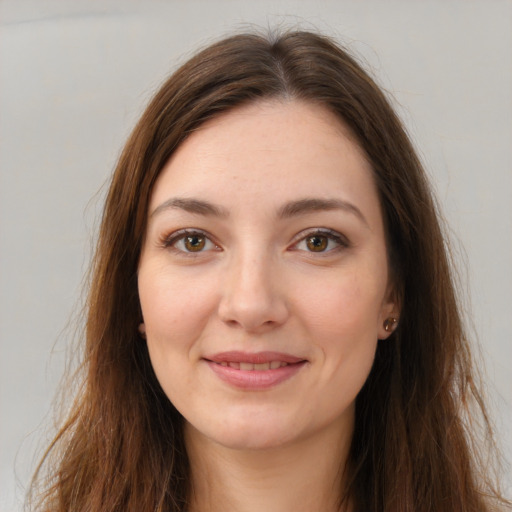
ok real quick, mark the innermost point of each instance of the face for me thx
(263, 278)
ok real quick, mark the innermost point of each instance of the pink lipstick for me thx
(254, 371)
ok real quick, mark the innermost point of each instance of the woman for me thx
(272, 322)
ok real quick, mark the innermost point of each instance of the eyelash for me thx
(329, 234)
(170, 241)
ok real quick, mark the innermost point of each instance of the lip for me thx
(235, 356)
(254, 379)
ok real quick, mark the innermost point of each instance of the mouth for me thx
(239, 365)
(256, 371)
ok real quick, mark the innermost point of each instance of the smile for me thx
(273, 365)
(258, 371)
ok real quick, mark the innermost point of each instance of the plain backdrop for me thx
(75, 75)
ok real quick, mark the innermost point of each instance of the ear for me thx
(389, 315)
(142, 330)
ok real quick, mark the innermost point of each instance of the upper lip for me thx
(236, 356)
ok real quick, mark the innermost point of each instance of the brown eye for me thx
(194, 243)
(321, 241)
(189, 242)
(317, 243)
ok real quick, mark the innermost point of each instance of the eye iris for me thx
(195, 243)
(317, 243)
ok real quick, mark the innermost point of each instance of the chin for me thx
(257, 439)
(248, 432)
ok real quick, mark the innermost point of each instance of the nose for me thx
(253, 296)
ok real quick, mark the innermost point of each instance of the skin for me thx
(257, 284)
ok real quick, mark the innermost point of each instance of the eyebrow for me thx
(291, 209)
(192, 206)
(309, 205)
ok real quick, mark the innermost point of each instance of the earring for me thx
(390, 324)
(142, 330)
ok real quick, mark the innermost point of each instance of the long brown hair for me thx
(122, 447)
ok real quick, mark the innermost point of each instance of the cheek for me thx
(175, 313)
(346, 306)
(342, 321)
(174, 308)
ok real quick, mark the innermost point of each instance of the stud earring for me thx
(142, 330)
(390, 324)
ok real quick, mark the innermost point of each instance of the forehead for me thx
(269, 152)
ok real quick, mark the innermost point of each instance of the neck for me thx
(304, 476)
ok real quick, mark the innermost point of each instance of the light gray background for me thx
(75, 75)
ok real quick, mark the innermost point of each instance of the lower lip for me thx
(255, 379)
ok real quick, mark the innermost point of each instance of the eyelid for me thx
(336, 236)
(169, 240)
